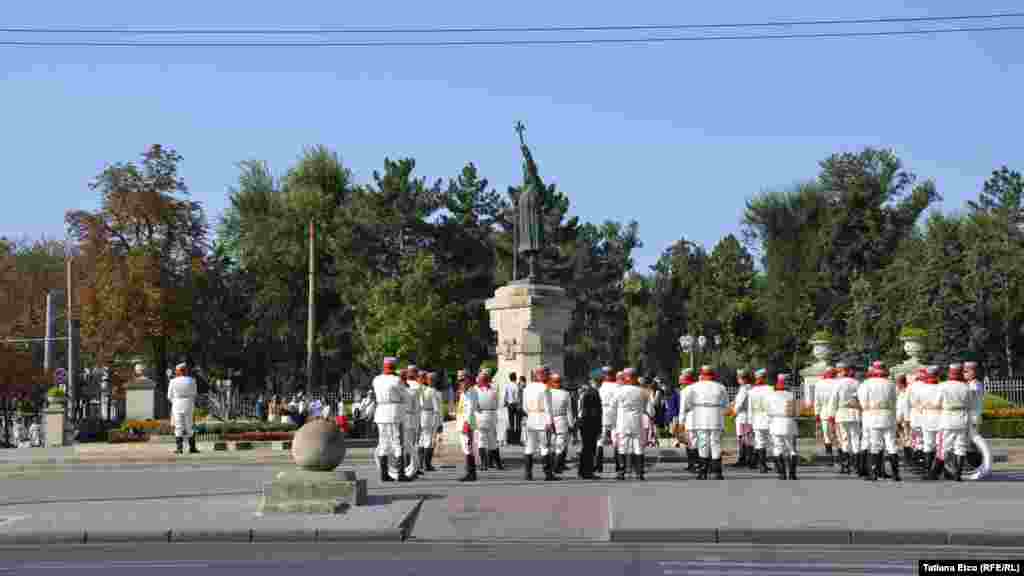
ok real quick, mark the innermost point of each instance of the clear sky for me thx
(673, 135)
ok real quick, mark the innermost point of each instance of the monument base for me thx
(312, 492)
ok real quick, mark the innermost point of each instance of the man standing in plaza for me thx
(782, 411)
(590, 414)
(181, 393)
(563, 418)
(744, 429)
(931, 405)
(512, 394)
(685, 418)
(956, 400)
(388, 416)
(539, 424)
(411, 423)
(486, 407)
(843, 404)
(629, 404)
(430, 419)
(760, 420)
(708, 400)
(822, 410)
(609, 386)
(903, 417)
(878, 402)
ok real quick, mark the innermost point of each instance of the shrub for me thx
(1002, 428)
(119, 437)
(55, 392)
(911, 332)
(993, 402)
(822, 335)
(259, 437)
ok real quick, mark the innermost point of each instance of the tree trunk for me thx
(161, 409)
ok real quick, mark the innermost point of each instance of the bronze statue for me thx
(529, 225)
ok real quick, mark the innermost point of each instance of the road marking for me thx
(5, 520)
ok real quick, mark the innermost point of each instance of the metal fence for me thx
(1010, 389)
(244, 407)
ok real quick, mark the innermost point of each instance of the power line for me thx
(468, 43)
(493, 29)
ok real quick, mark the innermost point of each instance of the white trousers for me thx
(955, 440)
(930, 439)
(784, 446)
(182, 422)
(468, 442)
(762, 439)
(607, 431)
(411, 437)
(389, 444)
(828, 431)
(709, 444)
(849, 437)
(691, 439)
(536, 441)
(560, 441)
(632, 443)
(487, 438)
(427, 437)
(879, 438)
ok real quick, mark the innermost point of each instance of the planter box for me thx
(243, 445)
(220, 446)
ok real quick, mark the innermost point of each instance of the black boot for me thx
(549, 468)
(600, 459)
(384, 476)
(741, 457)
(908, 455)
(937, 469)
(691, 460)
(638, 466)
(481, 455)
(528, 465)
(752, 462)
(716, 469)
(764, 461)
(179, 443)
(894, 461)
(430, 460)
(560, 466)
(470, 469)
(192, 445)
(620, 466)
(926, 465)
(843, 466)
(831, 458)
(793, 461)
(876, 463)
(959, 463)
(705, 468)
(780, 467)
(496, 456)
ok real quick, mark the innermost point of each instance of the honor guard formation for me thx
(863, 424)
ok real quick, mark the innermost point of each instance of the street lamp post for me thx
(686, 343)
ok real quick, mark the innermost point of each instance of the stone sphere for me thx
(318, 445)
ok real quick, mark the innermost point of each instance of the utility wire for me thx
(488, 29)
(466, 43)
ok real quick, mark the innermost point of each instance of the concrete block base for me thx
(310, 492)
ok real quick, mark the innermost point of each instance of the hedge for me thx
(1002, 428)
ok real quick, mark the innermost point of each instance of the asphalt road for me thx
(516, 558)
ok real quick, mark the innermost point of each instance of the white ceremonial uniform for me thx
(759, 418)
(878, 403)
(931, 426)
(486, 406)
(742, 410)
(609, 417)
(843, 403)
(685, 417)
(916, 413)
(783, 427)
(707, 400)
(388, 416)
(430, 415)
(903, 410)
(955, 401)
(181, 392)
(537, 399)
(563, 418)
(823, 409)
(411, 426)
(468, 413)
(629, 404)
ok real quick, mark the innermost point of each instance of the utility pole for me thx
(72, 376)
(49, 352)
(311, 322)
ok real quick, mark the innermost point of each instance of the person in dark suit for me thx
(589, 423)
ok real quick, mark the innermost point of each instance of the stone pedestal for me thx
(55, 425)
(140, 397)
(913, 348)
(531, 321)
(312, 492)
(810, 375)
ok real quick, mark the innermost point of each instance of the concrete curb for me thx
(818, 536)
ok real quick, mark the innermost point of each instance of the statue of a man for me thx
(531, 199)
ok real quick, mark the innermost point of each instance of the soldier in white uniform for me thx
(693, 461)
(487, 406)
(863, 459)
(181, 392)
(916, 383)
(823, 417)
(708, 400)
(411, 422)
(389, 414)
(563, 418)
(932, 426)
(903, 417)
(430, 419)
(955, 400)
(539, 423)
(629, 404)
(759, 419)
(843, 404)
(744, 429)
(878, 402)
(608, 418)
(782, 412)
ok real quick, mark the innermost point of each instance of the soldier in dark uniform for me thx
(589, 423)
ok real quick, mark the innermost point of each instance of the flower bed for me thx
(119, 437)
(1002, 428)
(259, 437)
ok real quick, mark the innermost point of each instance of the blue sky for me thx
(674, 135)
